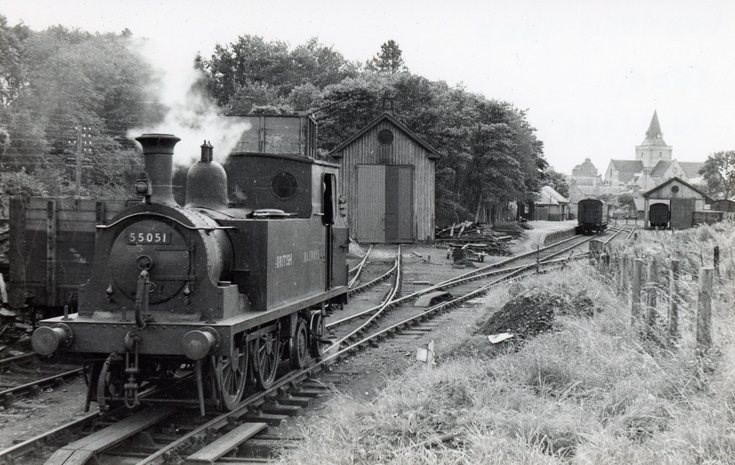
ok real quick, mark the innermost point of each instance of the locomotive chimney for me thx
(158, 150)
(206, 182)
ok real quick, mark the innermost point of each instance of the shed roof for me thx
(669, 181)
(433, 153)
(548, 196)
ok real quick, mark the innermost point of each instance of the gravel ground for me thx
(28, 417)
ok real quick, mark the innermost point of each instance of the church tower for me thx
(653, 148)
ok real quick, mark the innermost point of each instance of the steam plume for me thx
(192, 116)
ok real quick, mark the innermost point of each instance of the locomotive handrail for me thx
(192, 228)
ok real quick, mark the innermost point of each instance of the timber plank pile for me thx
(476, 240)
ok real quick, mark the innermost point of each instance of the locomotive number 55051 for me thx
(135, 238)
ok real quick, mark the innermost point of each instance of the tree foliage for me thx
(70, 92)
(558, 181)
(251, 71)
(719, 174)
(389, 60)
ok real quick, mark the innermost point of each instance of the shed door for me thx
(682, 213)
(370, 203)
(399, 204)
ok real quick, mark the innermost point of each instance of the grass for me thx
(588, 392)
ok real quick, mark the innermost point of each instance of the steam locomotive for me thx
(228, 293)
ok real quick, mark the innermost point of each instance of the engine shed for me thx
(388, 175)
(682, 202)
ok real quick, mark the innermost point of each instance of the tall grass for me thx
(588, 392)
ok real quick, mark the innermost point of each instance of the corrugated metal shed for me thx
(682, 198)
(388, 175)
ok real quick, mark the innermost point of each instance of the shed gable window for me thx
(385, 137)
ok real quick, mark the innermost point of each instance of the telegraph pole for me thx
(79, 161)
(83, 145)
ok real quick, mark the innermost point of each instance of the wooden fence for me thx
(653, 289)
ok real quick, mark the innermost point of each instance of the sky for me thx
(589, 73)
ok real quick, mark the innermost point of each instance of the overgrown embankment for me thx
(576, 385)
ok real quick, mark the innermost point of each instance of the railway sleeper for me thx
(282, 409)
(228, 442)
(271, 419)
(310, 392)
(294, 400)
(265, 448)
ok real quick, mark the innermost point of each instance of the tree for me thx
(254, 63)
(557, 181)
(389, 59)
(77, 93)
(719, 174)
(11, 65)
(626, 200)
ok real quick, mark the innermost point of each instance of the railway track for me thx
(355, 272)
(398, 313)
(512, 264)
(25, 374)
(175, 434)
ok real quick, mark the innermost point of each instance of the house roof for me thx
(548, 196)
(627, 169)
(669, 181)
(691, 168)
(660, 168)
(433, 153)
(654, 136)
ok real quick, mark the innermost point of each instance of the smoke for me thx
(191, 115)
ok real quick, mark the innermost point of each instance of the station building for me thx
(388, 176)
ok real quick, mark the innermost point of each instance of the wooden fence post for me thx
(595, 248)
(673, 301)
(704, 310)
(635, 297)
(626, 275)
(604, 262)
(651, 290)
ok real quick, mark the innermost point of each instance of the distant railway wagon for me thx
(659, 215)
(591, 216)
(51, 248)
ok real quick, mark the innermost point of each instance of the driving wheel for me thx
(232, 377)
(316, 334)
(266, 351)
(298, 346)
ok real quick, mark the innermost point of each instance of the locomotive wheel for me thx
(316, 330)
(266, 355)
(232, 377)
(297, 346)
